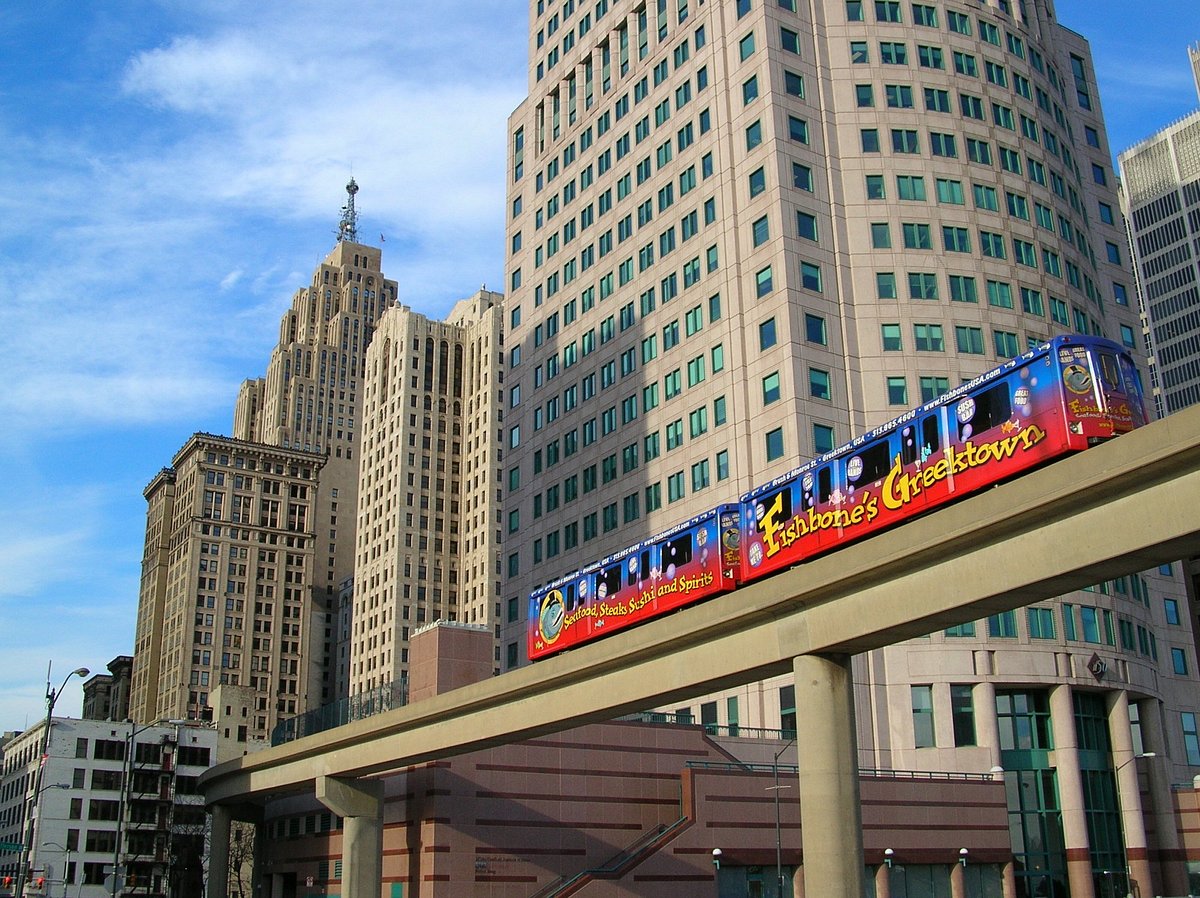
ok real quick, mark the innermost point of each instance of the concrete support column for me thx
(360, 804)
(1133, 824)
(260, 880)
(1008, 884)
(827, 748)
(958, 884)
(1171, 856)
(1070, 793)
(883, 881)
(987, 727)
(218, 851)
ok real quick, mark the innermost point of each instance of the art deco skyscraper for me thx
(428, 512)
(311, 400)
(249, 540)
(741, 233)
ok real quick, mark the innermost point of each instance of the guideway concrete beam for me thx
(1134, 499)
(360, 803)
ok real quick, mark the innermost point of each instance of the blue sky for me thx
(170, 173)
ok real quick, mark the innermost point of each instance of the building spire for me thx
(348, 226)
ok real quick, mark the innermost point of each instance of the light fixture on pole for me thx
(888, 855)
(32, 804)
(717, 858)
(1121, 813)
(962, 856)
(778, 829)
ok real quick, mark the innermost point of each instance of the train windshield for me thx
(1110, 372)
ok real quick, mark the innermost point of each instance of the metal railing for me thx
(732, 731)
(876, 772)
(614, 865)
(339, 713)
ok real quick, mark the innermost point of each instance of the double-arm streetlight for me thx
(31, 805)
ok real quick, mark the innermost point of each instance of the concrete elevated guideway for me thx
(1121, 507)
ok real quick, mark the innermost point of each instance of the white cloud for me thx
(166, 217)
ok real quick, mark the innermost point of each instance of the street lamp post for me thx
(1121, 815)
(66, 865)
(31, 805)
(778, 828)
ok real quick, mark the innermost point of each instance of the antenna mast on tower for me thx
(348, 226)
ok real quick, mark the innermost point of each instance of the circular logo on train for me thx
(965, 410)
(1077, 379)
(854, 468)
(1021, 400)
(731, 538)
(701, 537)
(808, 481)
(756, 555)
(550, 617)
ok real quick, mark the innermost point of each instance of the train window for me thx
(869, 465)
(569, 596)
(919, 441)
(992, 407)
(1110, 371)
(823, 482)
(608, 583)
(676, 553)
(638, 568)
(931, 440)
(908, 444)
(780, 503)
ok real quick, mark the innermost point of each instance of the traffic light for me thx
(8, 882)
(39, 883)
(132, 883)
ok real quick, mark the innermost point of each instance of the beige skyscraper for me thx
(262, 525)
(229, 550)
(742, 233)
(428, 511)
(311, 400)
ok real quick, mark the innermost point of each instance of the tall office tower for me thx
(311, 400)
(428, 542)
(1160, 196)
(230, 544)
(741, 233)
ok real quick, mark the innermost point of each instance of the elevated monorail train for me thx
(1064, 396)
